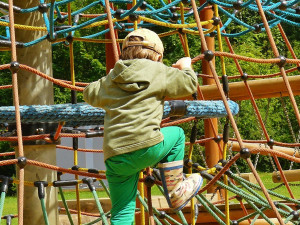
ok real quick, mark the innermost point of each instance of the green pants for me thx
(122, 172)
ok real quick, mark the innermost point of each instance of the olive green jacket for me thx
(132, 94)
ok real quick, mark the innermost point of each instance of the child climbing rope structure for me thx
(243, 116)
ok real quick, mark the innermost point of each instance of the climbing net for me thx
(102, 21)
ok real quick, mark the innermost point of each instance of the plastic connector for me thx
(173, 8)
(75, 168)
(257, 28)
(188, 163)
(90, 183)
(22, 161)
(43, 8)
(245, 153)
(64, 183)
(53, 39)
(162, 215)
(282, 61)
(14, 66)
(225, 84)
(149, 180)
(295, 214)
(244, 77)
(93, 171)
(283, 5)
(119, 13)
(5, 183)
(41, 188)
(208, 55)
(270, 143)
(133, 17)
(193, 134)
(143, 6)
(178, 108)
(94, 134)
(238, 5)
(217, 139)
(174, 17)
(216, 20)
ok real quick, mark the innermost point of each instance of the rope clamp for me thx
(178, 108)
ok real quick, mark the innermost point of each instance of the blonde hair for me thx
(140, 52)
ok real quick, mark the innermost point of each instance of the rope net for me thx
(208, 32)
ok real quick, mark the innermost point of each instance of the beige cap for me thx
(150, 40)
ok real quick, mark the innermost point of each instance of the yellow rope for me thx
(193, 199)
(134, 22)
(96, 40)
(105, 22)
(23, 27)
(186, 47)
(220, 41)
(227, 219)
(226, 192)
(170, 25)
(4, 49)
(141, 190)
(168, 33)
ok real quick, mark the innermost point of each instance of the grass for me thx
(10, 205)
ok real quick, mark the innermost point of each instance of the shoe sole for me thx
(195, 193)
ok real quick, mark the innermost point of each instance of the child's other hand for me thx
(182, 63)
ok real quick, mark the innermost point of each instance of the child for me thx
(133, 94)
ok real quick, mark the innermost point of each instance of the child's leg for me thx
(123, 196)
(173, 144)
(122, 172)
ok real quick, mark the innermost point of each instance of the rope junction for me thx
(182, 19)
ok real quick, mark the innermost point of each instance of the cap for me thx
(150, 40)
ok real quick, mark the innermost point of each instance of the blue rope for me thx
(84, 114)
(51, 14)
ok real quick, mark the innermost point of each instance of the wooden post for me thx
(34, 90)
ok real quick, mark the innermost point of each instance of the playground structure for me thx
(54, 23)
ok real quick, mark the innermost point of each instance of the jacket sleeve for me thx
(91, 94)
(180, 83)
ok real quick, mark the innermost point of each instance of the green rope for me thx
(250, 190)
(250, 215)
(157, 212)
(254, 219)
(260, 201)
(105, 188)
(289, 209)
(235, 177)
(44, 211)
(216, 209)
(203, 203)
(65, 205)
(2, 203)
(146, 207)
(102, 214)
(96, 220)
(260, 212)
(179, 213)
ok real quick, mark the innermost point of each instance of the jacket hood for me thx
(130, 75)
